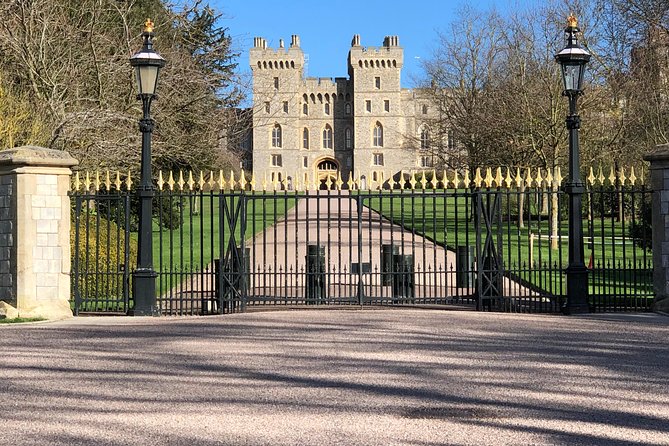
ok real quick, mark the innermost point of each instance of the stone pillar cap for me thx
(661, 153)
(36, 156)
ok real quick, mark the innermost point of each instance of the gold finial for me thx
(572, 22)
(148, 26)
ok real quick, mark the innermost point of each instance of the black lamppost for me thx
(573, 59)
(147, 64)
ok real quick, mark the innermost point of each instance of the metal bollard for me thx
(315, 292)
(464, 266)
(387, 253)
(403, 278)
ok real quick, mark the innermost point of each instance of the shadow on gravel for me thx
(522, 375)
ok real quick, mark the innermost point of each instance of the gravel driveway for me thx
(345, 377)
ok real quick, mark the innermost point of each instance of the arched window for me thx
(305, 138)
(305, 109)
(327, 165)
(276, 136)
(424, 138)
(348, 108)
(327, 137)
(327, 108)
(348, 138)
(378, 135)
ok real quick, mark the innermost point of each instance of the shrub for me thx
(100, 258)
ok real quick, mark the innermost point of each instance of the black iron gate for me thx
(488, 245)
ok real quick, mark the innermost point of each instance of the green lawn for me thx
(446, 219)
(197, 241)
(20, 320)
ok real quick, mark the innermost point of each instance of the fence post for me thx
(659, 182)
(35, 232)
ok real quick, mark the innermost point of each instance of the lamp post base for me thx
(577, 291)
(578, 308)
(144, 293)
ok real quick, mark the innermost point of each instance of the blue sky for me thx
(326, 28)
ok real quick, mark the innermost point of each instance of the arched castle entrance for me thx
(326, 171)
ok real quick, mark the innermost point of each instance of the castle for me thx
(315, 130)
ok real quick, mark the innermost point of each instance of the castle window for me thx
(305, 161)
(378, 159)
(377, 83)
(348, 138)
(386, 105)
(424, 109)
(276, 136)
(305, 138)
(276, 83)
(378, 135)
(368, 105)
(327, 137)
(266, 107)
(375, 176)
(451, 139)
(424, 139)
(285, 106)
(327, 108)
(305, 109)
(276, 161)
(348, 108)
(426, 161)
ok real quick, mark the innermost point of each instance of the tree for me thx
(75, 72)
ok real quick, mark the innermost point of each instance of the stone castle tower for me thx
(312, 129)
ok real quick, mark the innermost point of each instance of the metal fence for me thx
(490, 243)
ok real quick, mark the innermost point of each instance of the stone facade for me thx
(312, 129)
(659, 180)
(35, 231)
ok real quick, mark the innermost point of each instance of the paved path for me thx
(358, 377)
(278, 254)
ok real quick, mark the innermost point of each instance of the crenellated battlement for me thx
(262, 57)
(317, 83)
(390, 55)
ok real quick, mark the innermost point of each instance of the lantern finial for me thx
(148, 26)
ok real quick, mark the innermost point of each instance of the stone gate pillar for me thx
(35, 231)
(659, 181)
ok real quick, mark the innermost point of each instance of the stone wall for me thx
(659, 180)
(35, 231)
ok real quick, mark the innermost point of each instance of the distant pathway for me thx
(333, 222)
